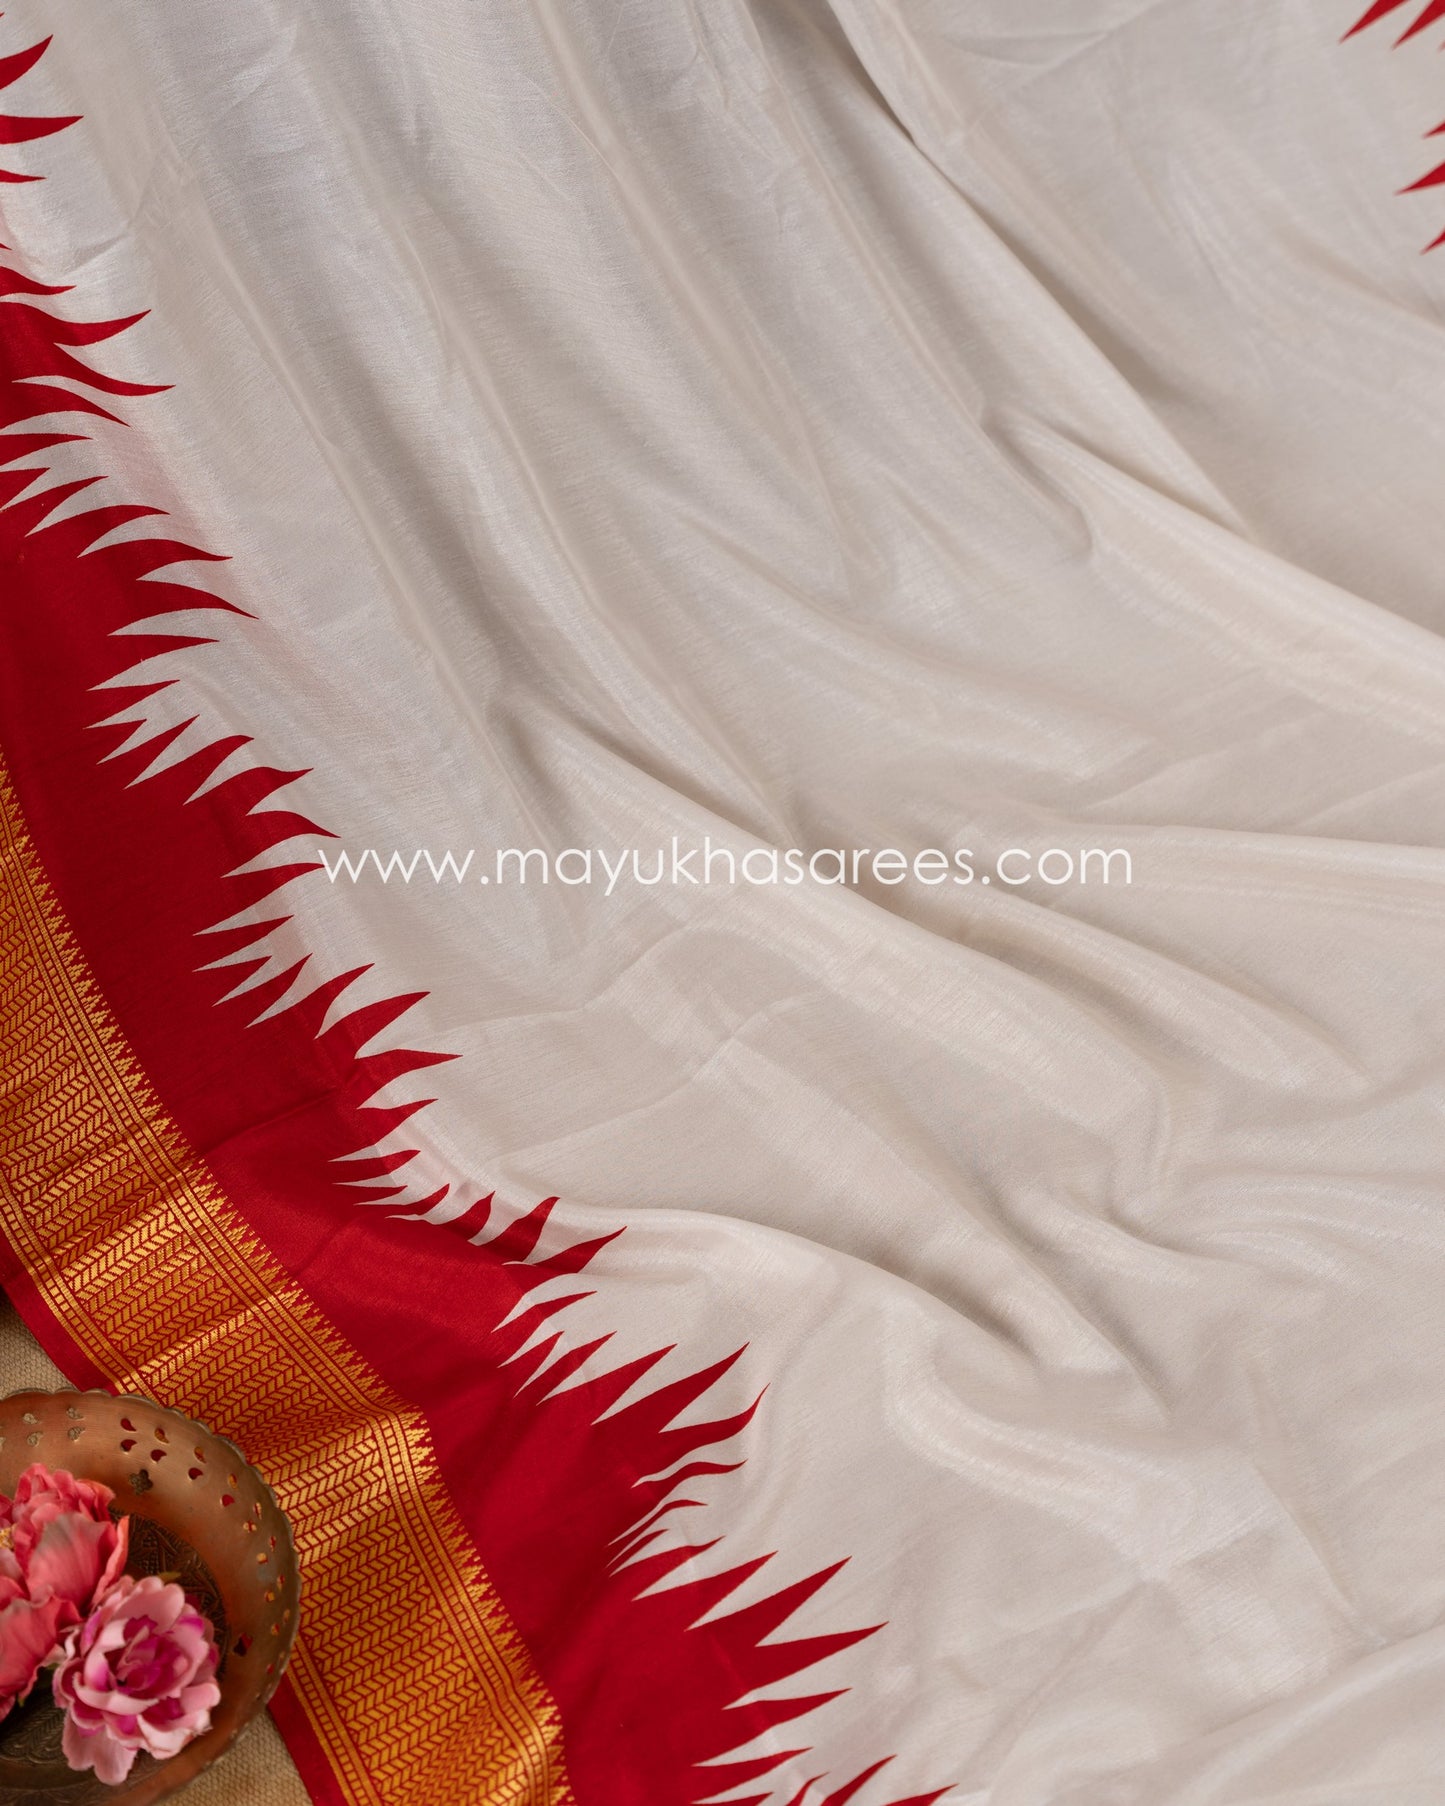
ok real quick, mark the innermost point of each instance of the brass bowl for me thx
(196, 1506)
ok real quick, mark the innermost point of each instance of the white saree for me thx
(1005, 430)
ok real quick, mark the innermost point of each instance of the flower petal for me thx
(70, 1557)
(99, 1750)
(28, 1633)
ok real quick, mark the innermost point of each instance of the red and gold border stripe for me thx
(414, 1682)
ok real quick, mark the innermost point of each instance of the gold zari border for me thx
(416, 1684)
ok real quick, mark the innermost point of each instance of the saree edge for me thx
(134, 1272)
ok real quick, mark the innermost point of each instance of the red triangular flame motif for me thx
(654, 1687)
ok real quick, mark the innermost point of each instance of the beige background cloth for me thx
(256, 1770)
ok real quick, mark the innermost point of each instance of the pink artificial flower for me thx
(64, 1537)
(58, 1550)
(137, 1675)
(28, 1634)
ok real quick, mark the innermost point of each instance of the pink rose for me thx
(137, 1675)
(58, 1549)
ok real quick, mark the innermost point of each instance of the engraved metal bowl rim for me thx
(154, 1404)
(284, 1543)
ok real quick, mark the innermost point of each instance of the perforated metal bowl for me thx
(198, 1508)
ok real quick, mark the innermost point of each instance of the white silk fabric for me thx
(878, 423)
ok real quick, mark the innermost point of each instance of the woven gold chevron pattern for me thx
(151, 1271)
